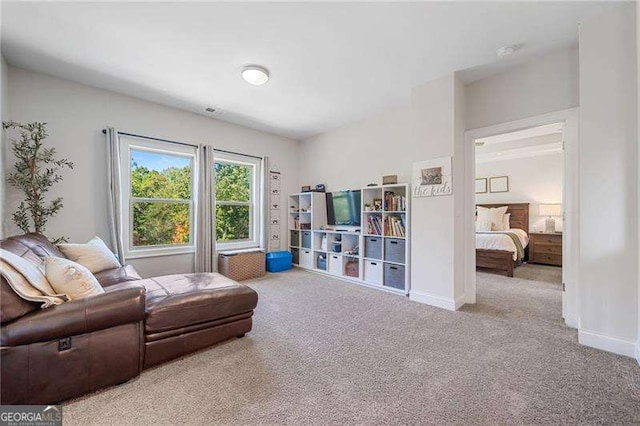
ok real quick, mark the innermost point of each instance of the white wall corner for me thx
(608, 343)
(460, 301)
(437, 301)
(638, 352)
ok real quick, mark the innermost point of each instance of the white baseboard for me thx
(638, 351)
(608, 343)
(437, 301)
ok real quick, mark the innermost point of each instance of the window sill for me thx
(158, 253)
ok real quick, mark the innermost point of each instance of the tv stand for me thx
(374, 256)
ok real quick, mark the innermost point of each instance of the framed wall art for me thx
(499, 184)
(432, 178)
(481, 186)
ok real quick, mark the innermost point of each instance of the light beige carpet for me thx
(327, 352)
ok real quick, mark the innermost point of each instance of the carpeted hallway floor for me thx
(327, 352)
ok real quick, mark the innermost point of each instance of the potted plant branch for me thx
(35, 172)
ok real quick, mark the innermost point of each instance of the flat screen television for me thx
(343, 208)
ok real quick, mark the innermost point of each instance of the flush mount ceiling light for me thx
(255, 74)
(505, 51)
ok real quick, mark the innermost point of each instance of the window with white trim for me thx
(158, 197)
(237, 201)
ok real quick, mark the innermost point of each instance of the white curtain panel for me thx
(115, 193)
(264, 203)
(205, 215)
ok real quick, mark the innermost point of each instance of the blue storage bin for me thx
(322, 262)
(278, 261)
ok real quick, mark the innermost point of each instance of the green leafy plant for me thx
(35, 172)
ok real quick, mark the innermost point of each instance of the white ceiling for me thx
(331, 63)
(531, 132)
(535, 141)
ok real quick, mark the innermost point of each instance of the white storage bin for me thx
(306, 258)
(335, 264)
(373, 271)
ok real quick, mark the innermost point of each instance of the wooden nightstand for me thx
(545, 248)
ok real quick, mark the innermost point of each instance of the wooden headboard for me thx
(519, 214)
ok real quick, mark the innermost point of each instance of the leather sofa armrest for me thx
(122, 306)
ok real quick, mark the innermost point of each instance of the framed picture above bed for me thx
(481, 186)
(499, 184)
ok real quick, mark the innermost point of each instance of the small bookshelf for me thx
(376, 254)
(385, 218)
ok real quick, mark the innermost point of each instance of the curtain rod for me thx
(153, 139)
(237, 153)
(104, 131)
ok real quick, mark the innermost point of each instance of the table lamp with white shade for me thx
(550, 210)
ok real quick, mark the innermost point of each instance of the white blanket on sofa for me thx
(27, 280)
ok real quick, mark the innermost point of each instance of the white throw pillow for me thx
(507, 221)
(493, 215)
(95, 255)
(483, 225)
(504, 226)
(71, 278)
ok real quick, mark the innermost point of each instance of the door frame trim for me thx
(571, 226)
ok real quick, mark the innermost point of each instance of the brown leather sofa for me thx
(54, 354)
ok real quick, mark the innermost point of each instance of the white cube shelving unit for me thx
(376, 254)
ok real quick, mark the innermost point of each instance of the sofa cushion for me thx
(33, 247)
(117, 275)
(176, 301)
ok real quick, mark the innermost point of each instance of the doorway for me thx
(529, 169)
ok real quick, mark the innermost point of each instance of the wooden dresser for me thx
(545, 248)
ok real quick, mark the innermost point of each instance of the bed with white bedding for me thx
(501, 240)
(501, 245)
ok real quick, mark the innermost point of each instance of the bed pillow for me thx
(493, 215)
(483, 226)
(504, 226)
(95, 255)
(71, 278)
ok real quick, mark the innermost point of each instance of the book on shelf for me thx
(374, 225)
(394, 226)
(393, 202)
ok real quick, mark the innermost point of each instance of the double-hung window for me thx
(237, 201)
(159, 197)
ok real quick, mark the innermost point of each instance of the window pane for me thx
(159, 175)
(232, 223)
(160, 223)
(233, 182)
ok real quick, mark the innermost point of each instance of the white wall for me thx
(638, 166)
(608, 272)
(353, 156)
(436, 222)
(547, 84)
(76, 115)
(4, 108)
(535, 180)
